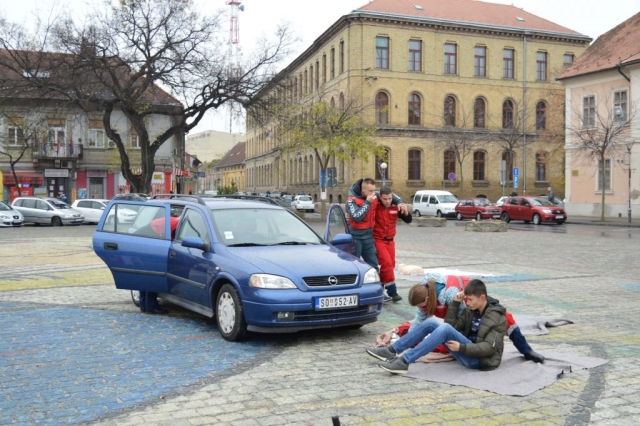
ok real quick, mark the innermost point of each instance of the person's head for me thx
(476, 294)
(368, 187)
(386, 196)
(424, 296)
(514, 194)
(549, 189)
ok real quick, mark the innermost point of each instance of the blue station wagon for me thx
(251, 265)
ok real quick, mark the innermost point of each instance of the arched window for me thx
(449, 163)
(333, 103)
(414, 164)
(507, 114)
(341, 101)
(509, 158)
(541, 166)
(479, 160)
(382, 108)
(450, 111)
(383, 159)
(541, 116)
(414, 109)
(479, 108)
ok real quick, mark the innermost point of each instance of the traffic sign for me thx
(451, 176)
(515, 181)
(516, 171)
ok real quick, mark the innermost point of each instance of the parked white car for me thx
(93, 209)
(303, 202)
(10, 217)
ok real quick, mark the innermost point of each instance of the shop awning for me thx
(32, 178)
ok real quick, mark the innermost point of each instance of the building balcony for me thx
(52, 151)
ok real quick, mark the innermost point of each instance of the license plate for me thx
(336, 302)
(496, 216)
(559, 217)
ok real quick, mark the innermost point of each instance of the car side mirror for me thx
(342, 239)
(196, 243)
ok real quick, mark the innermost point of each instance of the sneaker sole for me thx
(392, 371)
(375, 355)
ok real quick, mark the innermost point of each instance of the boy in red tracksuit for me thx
(384, 230)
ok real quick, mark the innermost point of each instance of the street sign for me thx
(515, 181)
(451, 176)
(516, 172)
(202, 174)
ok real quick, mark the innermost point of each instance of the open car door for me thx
(336, 228)
(136, 253)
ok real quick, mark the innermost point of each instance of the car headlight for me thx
(372, 277)
(4, 217)
(67, 216)
(270, 281)
(547, 211)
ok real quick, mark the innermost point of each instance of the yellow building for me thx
(229, 170)
(457, 89)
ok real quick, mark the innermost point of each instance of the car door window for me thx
(433, 200)
(524, 203)
(192, 224)
(41, 205)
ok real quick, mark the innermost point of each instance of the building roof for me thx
(234, 157)
(467, 12)
(617, 47)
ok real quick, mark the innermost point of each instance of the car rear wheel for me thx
(459, 216)
(417, 213)
(505, 217)
(55, 221)
(230, 314)
(536, 219)
(478, 216)
(439, 213)
(135, 297)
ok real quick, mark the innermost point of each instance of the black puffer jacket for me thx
(490, 342)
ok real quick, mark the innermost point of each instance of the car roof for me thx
(214, 202)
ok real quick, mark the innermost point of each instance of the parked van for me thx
(434, 203)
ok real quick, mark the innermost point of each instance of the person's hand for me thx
(403, 209)
(452, 345)
(371, 197)
(459, 297)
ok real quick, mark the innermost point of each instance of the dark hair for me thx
(369, 181)
(385, 190)
(475, 288)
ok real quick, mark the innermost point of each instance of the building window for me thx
(415, 55)
(134, 141)
(300, 82)
(620, 106)
(541, 116)
(384, 159)
(414, 109)
(382, 108)
(317, 74)
(56, 138)
(96, 138)
(508, 56)
(479, 108)
(479, 158)
(449, 111)
(295, 88)
(324, 69)
(507, 114)
(332, 70)
(588, 112)
(509, 160)
(449, 163)
(480, 61)
(341, 57)
(382, 53)
(607, 175)
(541, 66)
(414, 164)
(541, 166)
(341, 101)
(450, 56)
(567, 61)
(306, 81)
(15, 136)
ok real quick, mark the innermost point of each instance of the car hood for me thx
(300, 261)
(11, 212)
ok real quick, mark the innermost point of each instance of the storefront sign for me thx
(158, 177)
(97, 173)
(62, 173)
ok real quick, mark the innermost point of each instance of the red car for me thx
(480, 208)
(532, 209)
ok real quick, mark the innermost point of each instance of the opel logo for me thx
(333, 280)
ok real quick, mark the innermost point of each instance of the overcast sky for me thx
(309, 18)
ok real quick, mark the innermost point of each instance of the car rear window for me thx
(304, 198)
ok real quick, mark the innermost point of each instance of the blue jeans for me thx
(437, 333)
(148, 301)
(367, 249)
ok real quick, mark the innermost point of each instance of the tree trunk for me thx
(602, 180)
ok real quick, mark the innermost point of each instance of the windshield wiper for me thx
(291, 243)
(246, 245)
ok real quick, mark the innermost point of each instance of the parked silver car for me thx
(10, 217)
(50, 211)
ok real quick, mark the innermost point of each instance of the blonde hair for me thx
(418, 293)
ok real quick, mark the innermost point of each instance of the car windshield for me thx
(448, 199)
(483, 202)
(541, 202)
(4, 206)
(59, 205)
(261, 227)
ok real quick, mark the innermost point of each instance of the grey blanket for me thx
(537, 326)
(515, 376)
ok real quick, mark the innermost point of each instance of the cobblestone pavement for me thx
(75, 350)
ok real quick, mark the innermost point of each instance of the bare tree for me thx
(598, 132)
(120, 57)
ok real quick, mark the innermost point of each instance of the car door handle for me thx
(172, 254)
(110, 246)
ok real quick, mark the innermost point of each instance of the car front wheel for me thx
(56, 221)
(417, 213)
(459, 216)
(135, 297)
(478, 216)
(439, 213)
(230, 314)
(536, 219)
(505, 217)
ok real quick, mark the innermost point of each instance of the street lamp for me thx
(383, 172)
